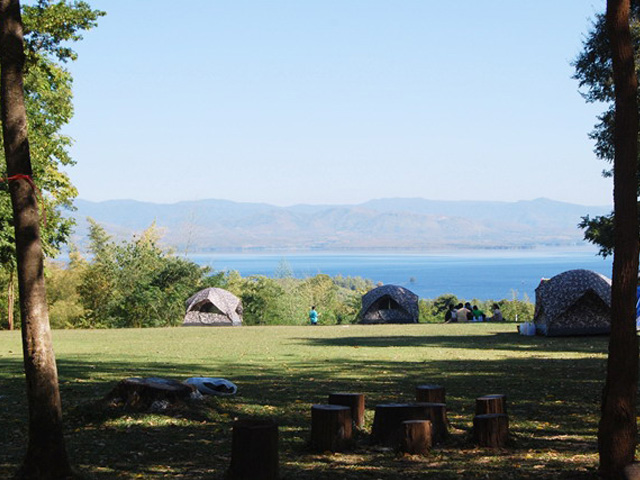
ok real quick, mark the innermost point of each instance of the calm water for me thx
(481, 275)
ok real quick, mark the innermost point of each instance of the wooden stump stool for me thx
(331, 427)
(254, 450)
(387, 422)
(437, 413)
(355, 402)
(430, 393)
(416, 437)
(496, 403)
(491, 429)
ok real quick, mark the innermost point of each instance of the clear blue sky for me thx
(335, 101)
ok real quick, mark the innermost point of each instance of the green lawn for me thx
(553, 387)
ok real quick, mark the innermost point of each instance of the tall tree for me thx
(618, 429)
(594, 71)
(46, 456)
(49, 27)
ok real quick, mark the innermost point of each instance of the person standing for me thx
(313, 316)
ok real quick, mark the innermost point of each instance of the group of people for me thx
(466, 313)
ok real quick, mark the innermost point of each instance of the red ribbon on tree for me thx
(21, 176)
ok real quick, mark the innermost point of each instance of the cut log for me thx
(491, 430)
(416, 437)
(331, 427)
(355, 401)
(141, 393)
(437, 413)
(430, 393)
(387, 422)
(254, 450)
(496, 403)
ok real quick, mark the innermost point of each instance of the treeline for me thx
(137, 283)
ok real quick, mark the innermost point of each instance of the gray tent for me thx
(576, 302)
(389, 304)
(213, 306)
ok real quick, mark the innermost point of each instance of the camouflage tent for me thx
(389, 304)
(213, 306)
(576, 302)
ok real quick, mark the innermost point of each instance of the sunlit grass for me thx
(553, 387)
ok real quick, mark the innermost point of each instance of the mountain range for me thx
(382, 224)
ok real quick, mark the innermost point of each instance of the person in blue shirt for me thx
(313, 316)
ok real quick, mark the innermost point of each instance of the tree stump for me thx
(254, 450)
(416, 437)
(331, 427)
(141, 393)
(430, 393)
(491, 429)
(387, 422)
(437, 413)
(355, 401)
(496, 403)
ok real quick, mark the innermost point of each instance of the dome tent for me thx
(389, 304)
(575, 302)
(213, 306)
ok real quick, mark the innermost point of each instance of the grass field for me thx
(553, 387)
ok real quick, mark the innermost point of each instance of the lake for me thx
(483, 275)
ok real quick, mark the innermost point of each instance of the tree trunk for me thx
(11, 299)
(617, 429)
(46, 456)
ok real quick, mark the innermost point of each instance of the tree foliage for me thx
(594, 72)
(49, 27)
(134, 283)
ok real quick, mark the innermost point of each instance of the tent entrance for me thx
(207, 307)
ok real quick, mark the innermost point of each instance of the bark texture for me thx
(355, 401)
(491, 430)
(46, 456)
(387, 422)
(617, 429)
(416, 437)
(495, 403)
(430, 393)
(331, 427)
(254, 450)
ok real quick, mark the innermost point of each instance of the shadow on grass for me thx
(553, 406)
(497, 341)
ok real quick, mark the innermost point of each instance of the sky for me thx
(335, 102)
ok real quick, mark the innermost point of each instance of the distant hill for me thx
(394, 223)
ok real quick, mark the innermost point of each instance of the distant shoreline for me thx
(444, 251)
